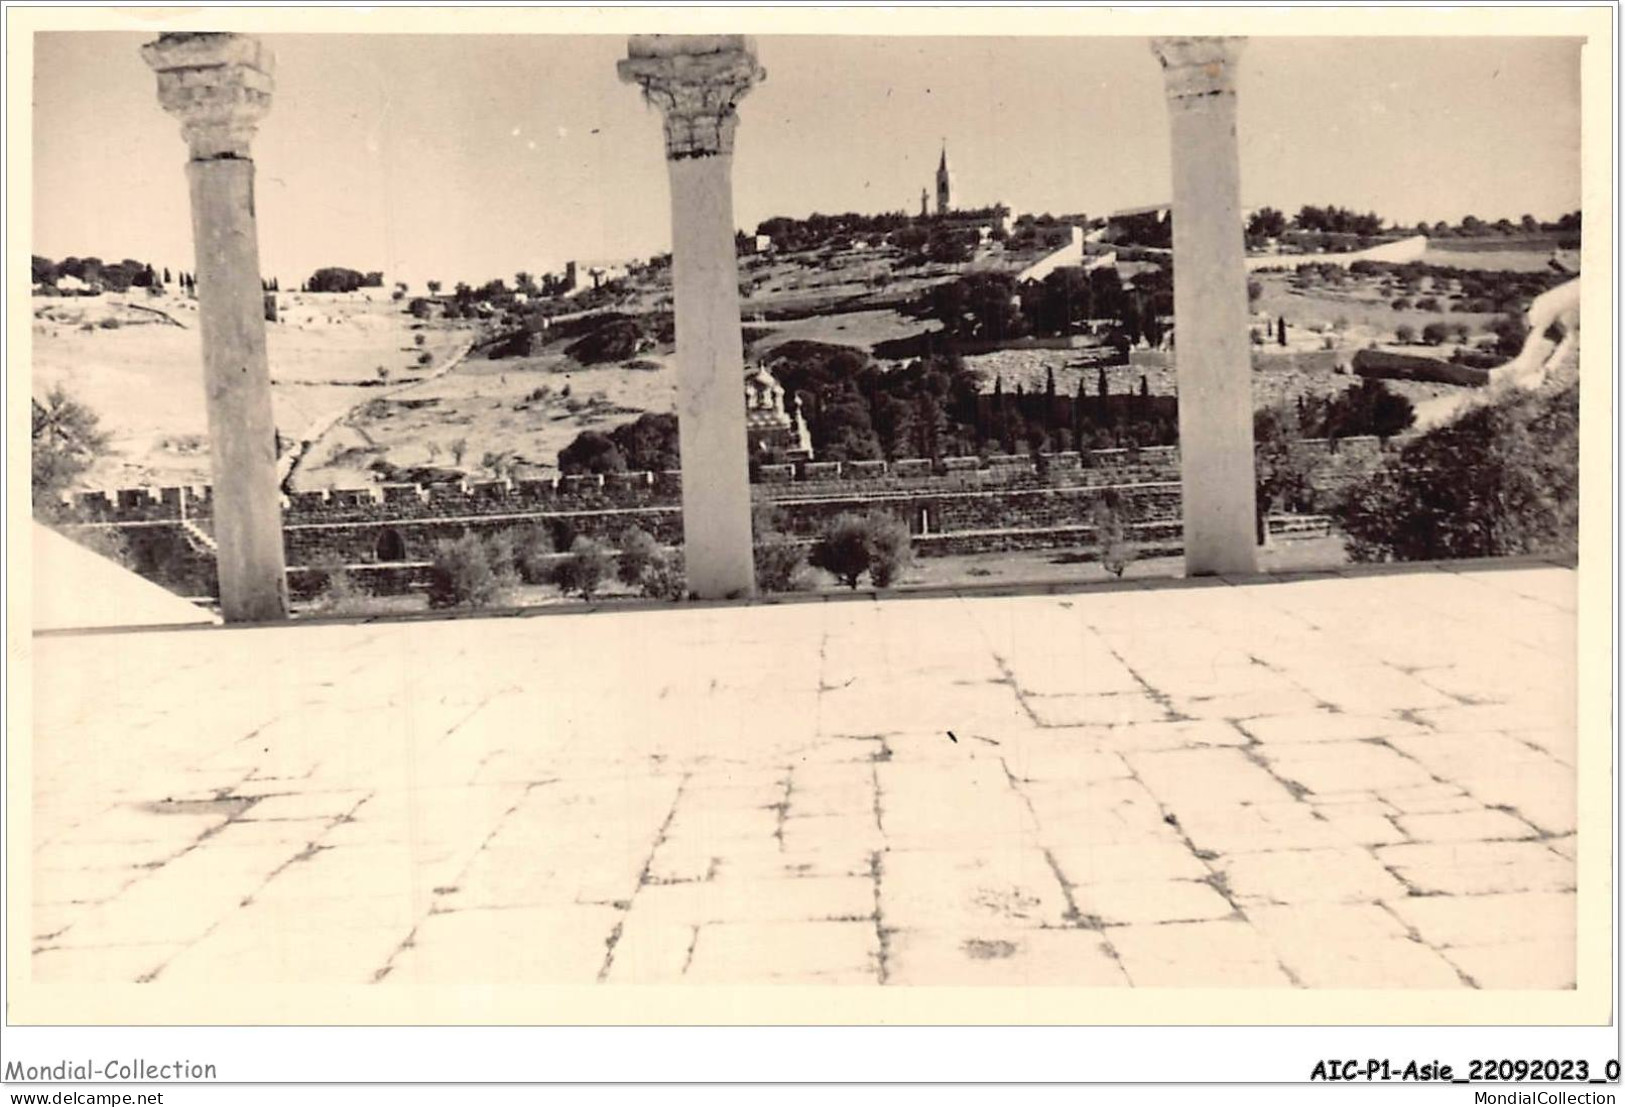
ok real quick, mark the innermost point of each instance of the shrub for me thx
(891, 552)
(563, 532)
(1499, 480)
(1405, 333)
(532, 554)
(336, 279)
(501, 550)
(1510, 333)
(639, 553)
(588, 563)
(465, 573)
(843, 549)
(649, 442)
(1370, 407)
(781, 564)
(591, 452)
(1402, 304)
(649, 567)
(1435, 334)
(420, 338)
(852, 545)
(1282, 464)
(425, 358)
(616, 340)
(340, 593)
(67, 440)
(664, 579)
(1427, 303)
(1111, 534)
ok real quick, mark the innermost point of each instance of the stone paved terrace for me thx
(1329, 782)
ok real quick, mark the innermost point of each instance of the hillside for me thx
(541, 374)
(141, 371)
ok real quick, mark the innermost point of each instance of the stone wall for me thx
(954, 505)
(1340, 462)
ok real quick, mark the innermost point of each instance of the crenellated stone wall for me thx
(953, 505)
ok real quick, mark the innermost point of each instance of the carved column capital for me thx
(696, 81)
(1198, 66)
(218, 85)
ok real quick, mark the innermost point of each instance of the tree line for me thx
(817, 230)
(1335, 227)
(118, 276)
(992, 306)
(336, 278)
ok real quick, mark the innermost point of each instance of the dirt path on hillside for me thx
(288, 464)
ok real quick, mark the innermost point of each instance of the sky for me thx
(468, 157)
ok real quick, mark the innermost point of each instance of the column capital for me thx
(1199, 65)
(696, 81)
(218, 85)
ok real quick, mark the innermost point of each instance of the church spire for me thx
(945, 183)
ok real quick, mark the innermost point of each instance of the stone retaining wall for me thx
(954, 505)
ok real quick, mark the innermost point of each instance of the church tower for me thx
(945, 184)
(925, 204)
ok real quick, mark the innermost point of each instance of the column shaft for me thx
(718, 557)
(696, 80)
(219, 86)
(237, 379)
(1211, 346)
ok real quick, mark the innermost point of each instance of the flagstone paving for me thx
(1350, 781)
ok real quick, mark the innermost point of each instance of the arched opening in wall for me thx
(391, 546)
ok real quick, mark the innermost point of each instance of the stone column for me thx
(219, 86)
(696, 80)
(1212, 353)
